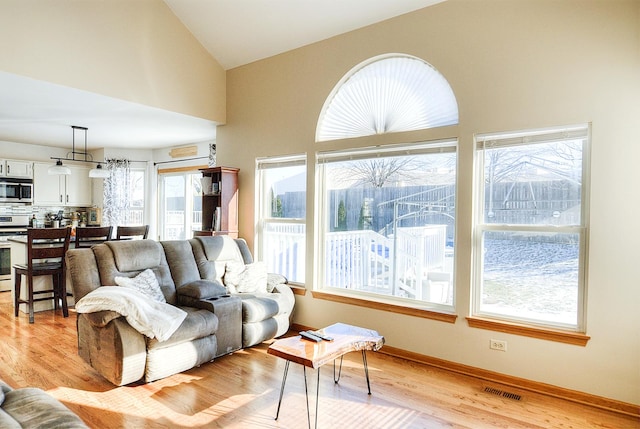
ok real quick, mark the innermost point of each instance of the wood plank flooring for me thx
(241, 390)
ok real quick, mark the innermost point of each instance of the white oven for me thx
(10, 226)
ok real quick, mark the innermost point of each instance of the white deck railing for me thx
(174, 224)
(284, 253)
(365, 260)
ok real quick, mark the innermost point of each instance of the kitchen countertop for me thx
(22, 239)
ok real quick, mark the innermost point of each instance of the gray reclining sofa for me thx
(192, 276)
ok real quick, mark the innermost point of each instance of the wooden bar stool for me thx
(90, 235)
(132, 232)
(46, 248)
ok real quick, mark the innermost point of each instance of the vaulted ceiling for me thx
(234, 32)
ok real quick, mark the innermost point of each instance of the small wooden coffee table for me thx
(346, 338)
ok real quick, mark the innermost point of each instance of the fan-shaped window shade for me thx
(387, 94)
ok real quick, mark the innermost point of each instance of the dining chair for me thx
(132, 232)
(87, 236)
(46, 249)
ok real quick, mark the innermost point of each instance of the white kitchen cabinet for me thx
(72, 190)
(78, 187)
(15, 168)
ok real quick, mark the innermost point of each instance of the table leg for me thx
(366, 370)
(306, 394)
(335, 380)
(317, 397)
(284, 380)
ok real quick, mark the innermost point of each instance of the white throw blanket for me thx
(151, 318)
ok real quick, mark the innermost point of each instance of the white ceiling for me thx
(235, 32)
(242, 31)
(37, 112)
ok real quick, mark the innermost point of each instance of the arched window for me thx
(385, 94)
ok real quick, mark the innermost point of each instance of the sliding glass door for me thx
(180, 211)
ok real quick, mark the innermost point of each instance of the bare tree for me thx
(531, 163)
(379, 171)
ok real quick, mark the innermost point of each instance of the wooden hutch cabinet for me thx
(219, 202)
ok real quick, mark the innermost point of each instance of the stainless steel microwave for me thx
(16, 190)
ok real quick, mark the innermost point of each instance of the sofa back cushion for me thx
(129, 258)
(244, 250)
(212, 254)
(182, 264)
(136, 255)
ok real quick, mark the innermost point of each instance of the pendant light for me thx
(59, 169)
(98, 172)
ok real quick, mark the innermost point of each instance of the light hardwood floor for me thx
(241, 390)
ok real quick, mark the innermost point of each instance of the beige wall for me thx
(132, 50)
(512, 65)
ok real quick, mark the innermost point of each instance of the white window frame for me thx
(263, 213)
(324, 157)
(480, 227)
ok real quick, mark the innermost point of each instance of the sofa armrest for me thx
(274, 280)
(31, 407)
(117, 351)
(201, 289)
(100, 319)
(82, 272)
(287, 293)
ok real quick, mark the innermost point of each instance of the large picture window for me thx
(530, 238)
(387, 218)
(281, 205)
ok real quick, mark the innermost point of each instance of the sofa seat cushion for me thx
(256, 308)
(32, 407)
(198, 323)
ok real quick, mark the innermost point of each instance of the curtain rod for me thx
(180, 160)
(125, 159)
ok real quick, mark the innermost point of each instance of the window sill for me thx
(574, 338)
(393, 308)
(297, 288)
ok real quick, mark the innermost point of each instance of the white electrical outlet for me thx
(498, 345)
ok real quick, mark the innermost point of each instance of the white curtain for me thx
(117, 189)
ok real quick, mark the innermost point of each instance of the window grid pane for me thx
(281, 235)
(534, 184)
(389, 224)
(529, 276)
(531, 239)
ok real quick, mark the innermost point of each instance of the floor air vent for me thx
(502, 393)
